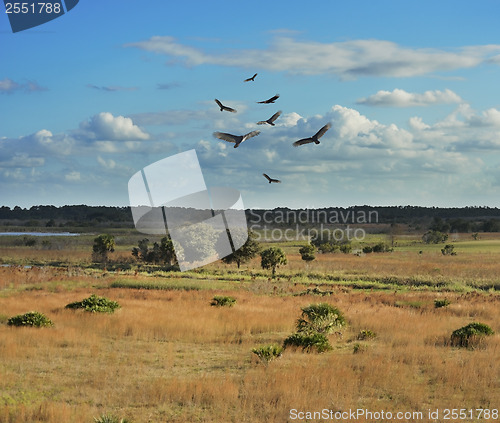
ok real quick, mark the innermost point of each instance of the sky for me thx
(411, 90)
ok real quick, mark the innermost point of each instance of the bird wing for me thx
(250, 135)
(277, 181)
(275, 116)
(262, 122)
(322, 131)
(219, 103)
(229, 109)
(267, 177)
(273, 98)
(225, 137)
(303, 141)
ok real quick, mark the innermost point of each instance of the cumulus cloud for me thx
(402, 98)
(347, 59)
(106, 127)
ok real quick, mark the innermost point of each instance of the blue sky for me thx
(411, 90)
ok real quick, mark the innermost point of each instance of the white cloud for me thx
(106, 127)
(20, 160)
(347, 59)
(72, 176)
(108, 164)
(402, 98)
(8, 86)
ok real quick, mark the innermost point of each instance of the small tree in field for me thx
(307, 252)
(272, 258)
(103, 245)
(246, 252)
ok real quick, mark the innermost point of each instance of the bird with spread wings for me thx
(270, 100)
(271, 180)
(222, 107)
(236, 139)
(271, 120)
(250, 79)
(315, 138)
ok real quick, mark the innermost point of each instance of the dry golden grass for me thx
(170, 356)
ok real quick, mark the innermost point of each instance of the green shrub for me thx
(95, 304)
(32, 318)
(441, 303)
(320, 318)
(366, 334)
(268, 353)
(109, 418)
(471, 335)
(358, 348)
(448, 250)
(308, 342)
(223, 301)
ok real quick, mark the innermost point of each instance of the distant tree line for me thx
(456, 219)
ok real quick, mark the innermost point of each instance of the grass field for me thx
(168, 356)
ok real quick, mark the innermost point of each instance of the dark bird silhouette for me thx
(271, 179)
(236, 139)
(271, 120)
(271, 100)
(222, 107)
(315, 138)
(250, 79)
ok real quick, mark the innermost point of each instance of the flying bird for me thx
(271, 100)
(237, 139)
(271, 179)
(271, 120)
(315, 138)
(250, 79)
(222, 107)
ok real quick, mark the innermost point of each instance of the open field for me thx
(167, 356)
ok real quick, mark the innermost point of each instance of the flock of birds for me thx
(238, 139)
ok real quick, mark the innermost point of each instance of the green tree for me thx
(434, 237)
(307, 252)
(103, 245)
(161, 253)
(246, 252)
(272, 258)
(198, 241)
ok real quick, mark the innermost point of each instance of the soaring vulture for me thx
(315, 138)
(271, 120)
(222, 107)
(271, 179)
(270, 100)
(236, 139)
(250, 79)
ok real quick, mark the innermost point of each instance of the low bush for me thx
(308, 342)
(358, 348)
(470, 336)
(366, 334)
(95, 304)
(223, 301)
(448, 250)
(268, 353)
(441, 303)
(109, 418)
(320, 318)
(32, 318)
